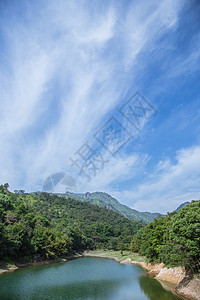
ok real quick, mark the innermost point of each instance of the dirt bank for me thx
(4, 267)
(187, 287)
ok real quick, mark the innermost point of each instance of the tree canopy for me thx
(175, 239)
(47, 225)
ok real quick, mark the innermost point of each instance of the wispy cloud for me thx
(116, 170)
(65, 68)
(169, 184)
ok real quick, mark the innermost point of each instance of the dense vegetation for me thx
(105, 200)
(46, 225)
(174, 240)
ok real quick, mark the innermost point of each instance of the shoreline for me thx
(17, 266)
(183, 286)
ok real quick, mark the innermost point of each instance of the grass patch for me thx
(118, 255)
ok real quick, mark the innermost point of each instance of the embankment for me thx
(186, 286)
(5, 267)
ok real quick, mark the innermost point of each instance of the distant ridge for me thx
(182, 205)
(105, 200)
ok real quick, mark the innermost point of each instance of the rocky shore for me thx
(186, 286)
(6, 269)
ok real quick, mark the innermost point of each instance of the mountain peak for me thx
(182, 205)
(105, 200)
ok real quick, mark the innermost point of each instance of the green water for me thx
(84, 278)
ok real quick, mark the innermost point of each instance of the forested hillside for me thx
(105, 200)
(174, 240)
(50, 226)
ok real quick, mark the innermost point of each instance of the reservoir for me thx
(85, 278)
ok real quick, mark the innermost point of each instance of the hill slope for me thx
(174, 240)
(105, 200)
(47, 225)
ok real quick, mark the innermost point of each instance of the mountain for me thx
(105, 200)
(46, 226)
(182, 205)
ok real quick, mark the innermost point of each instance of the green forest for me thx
(48, 225)
(174, 239)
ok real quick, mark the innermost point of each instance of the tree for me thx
(175, 239)
(135, 246)
(14, 235)
(114, 243)
(6, 186)
(186, 235)
(21, 192)
(48, 225)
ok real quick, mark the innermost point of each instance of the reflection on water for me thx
(82, 279)
(154, 291)
(86, 290)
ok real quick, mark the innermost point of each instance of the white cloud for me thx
(78, 59)
(144, 26)
(118, 169)
(171, 184)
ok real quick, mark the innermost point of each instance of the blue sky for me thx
(66, 69)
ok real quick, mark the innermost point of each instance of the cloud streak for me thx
(66, 68)
(169, 184)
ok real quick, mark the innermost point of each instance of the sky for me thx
(106, 92)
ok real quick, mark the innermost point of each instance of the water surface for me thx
(82, 279)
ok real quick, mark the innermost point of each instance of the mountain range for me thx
(105, 200)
